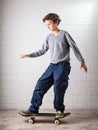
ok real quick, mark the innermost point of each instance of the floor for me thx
(78, 120)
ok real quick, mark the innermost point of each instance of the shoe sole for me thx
(27, 115)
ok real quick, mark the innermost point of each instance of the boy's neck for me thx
(56, 32)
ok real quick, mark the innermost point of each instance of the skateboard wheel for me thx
(31, 121)
(57, 122)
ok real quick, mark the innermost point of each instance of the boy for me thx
(59, 43)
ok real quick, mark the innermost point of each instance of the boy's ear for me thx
(57, 22)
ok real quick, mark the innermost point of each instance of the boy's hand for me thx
(24, 56)
(83, 65)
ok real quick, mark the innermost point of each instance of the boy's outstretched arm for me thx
(76, 51)
(38, 53)
(83, 65)
(25, 56)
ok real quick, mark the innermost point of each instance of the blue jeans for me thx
(57, 75)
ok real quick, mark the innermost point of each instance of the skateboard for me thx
(57, 120)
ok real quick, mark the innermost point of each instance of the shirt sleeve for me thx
(76, 50)
(42, 51)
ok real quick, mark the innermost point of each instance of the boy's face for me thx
(51, 25)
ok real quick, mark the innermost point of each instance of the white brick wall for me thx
(22, 31)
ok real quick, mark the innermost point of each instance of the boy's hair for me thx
(52, 16)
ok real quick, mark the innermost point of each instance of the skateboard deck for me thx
(57, 120)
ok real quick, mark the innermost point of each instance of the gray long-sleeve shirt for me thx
(59, 47)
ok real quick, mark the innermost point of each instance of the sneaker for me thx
(28, 113)
(59, 114)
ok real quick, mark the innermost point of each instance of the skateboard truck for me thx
(32, 121)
